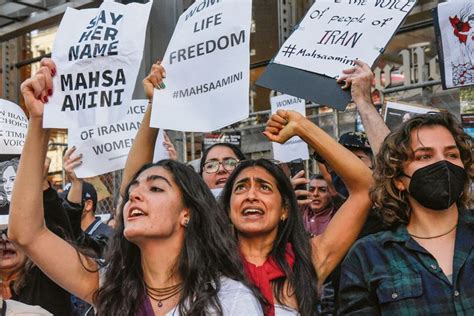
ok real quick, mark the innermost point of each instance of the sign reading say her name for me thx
(454, 25)
(295, 147)
(335, 33)
(97, 54)
(200, 97)
(105, 148)
(13, 126)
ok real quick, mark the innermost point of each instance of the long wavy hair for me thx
(208, 253)
(302, 279)
(392, 204)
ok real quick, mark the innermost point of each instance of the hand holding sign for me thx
(282, 126)
(359, 78)
(154, 79)
(37, 89)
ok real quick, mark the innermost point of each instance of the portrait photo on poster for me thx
(8, 168)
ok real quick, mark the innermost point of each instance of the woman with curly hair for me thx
(425, 263)
(170, 254)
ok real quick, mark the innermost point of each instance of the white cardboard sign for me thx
(97, 54)
(13, 126)
(295, 147)
(160, 152)
(335, 33)
(207, 65)
(105, 148)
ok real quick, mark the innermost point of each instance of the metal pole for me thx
(185, 149)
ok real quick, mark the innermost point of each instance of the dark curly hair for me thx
(208, 253)
(392, 204)
(302, 279)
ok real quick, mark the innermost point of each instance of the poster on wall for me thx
(330, 37)
(396, 113)
(97, 54)
(454, 27)
(207, 66)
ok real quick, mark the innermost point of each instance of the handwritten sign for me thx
(105, 148)
(335, 33)
(295, 147)
(208, 33)
(97, 54)
(454, 26)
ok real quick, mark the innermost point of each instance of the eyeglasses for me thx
(228, 164)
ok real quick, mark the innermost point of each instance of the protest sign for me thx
(210, 139)
(105, 148)
(328, 40)
(13, 126)
(454, 27)
(200, 97)
(295, 147)
(160, 152)
(97, 54)
(397, 113)
(8, 169)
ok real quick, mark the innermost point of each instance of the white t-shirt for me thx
(281, 310)
(236, 300)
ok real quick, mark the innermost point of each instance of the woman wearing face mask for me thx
(160, 260)
(424, 265)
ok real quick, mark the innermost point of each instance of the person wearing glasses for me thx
(217, 162)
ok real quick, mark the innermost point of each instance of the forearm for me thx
(355, 174)
(374, 126)
(26, 208)
(75, 193)
(142, 150)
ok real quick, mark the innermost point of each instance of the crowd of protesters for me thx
(385, 228)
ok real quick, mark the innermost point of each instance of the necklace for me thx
(437, 236)
(162, 294)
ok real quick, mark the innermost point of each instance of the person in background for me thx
(21, 279)
(80, 192)
(319, 212)
(424, 264)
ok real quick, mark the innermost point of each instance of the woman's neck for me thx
(159, 260)
(426, 222)
(256, 249)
